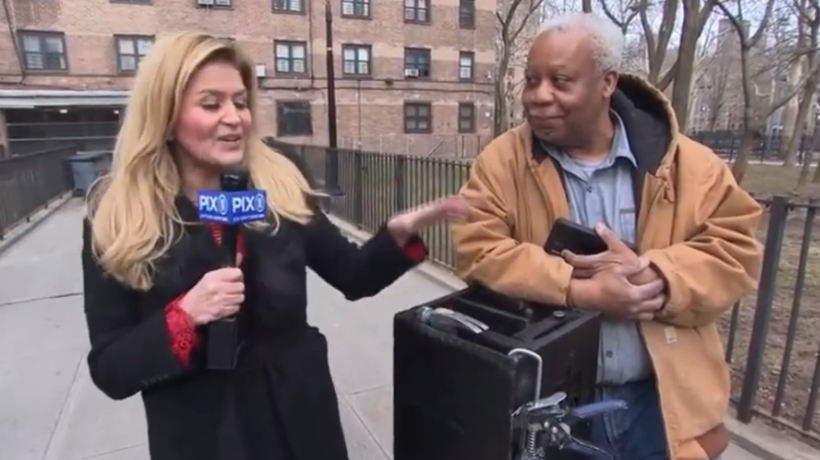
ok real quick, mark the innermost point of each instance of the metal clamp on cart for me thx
(469, 372)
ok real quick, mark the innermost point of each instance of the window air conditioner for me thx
(411, 72)
(204, 2)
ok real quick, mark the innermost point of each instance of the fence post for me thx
(332, 172)
(400, 173)
(778, 212)
(358, 195)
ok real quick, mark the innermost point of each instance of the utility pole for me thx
(331, 155)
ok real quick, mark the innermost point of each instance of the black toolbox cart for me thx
(456, 385)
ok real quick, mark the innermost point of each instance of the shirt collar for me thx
(620, 142)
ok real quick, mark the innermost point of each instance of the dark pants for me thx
(636, 433)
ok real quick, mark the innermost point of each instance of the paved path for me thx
(50, 410)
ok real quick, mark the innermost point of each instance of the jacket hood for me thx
(649, 121)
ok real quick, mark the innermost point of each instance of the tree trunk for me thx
(744, 152)
(686, 60)
(806, 103)
(658, 42)
(500, 109)
(803, 178)
(816, 178)
(792, 128)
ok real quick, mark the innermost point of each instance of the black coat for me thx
(280, 402)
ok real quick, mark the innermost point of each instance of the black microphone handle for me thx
(223, 334)
(230, 242)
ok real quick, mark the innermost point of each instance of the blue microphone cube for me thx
(232, 207)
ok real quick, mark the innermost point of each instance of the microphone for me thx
(230, 207)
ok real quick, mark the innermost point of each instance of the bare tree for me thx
(803, 177)
(757, 105)
(710, 77)
(622, 13)
(718, 86)
(816, 178)
(657, 43)
(787, 30)
(514, 18)
(808, 26)
(695, 15)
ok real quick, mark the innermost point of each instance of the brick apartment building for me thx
(413, 76)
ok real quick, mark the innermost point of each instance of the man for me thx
(604, 150)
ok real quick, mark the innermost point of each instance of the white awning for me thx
(34, 98)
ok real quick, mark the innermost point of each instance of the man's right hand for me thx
(611, 292)
(217, 295)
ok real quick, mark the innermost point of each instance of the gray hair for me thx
(607, 38)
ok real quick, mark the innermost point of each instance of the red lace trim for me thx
(181, 326)
(182, 329)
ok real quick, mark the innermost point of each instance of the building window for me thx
(466, 61)
(293, 118)
(214, 3)
(131, 51)
(356, 60)
(466, 14)
(290, 57)
(466, 117)
(288, 6)
(356, 8)
(418, 117)
(416, 63)
(44, 50)
(417, 11)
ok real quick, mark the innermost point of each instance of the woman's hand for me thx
(409, 223)
(217, 295)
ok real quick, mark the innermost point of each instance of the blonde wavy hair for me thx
(133, 217)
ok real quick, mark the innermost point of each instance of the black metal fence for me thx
(25, 138)
(30, 182)
(772, 337)
(767, 147)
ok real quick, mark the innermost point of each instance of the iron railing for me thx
(30, 182)
(82, 144)
(771, 342)
(766, 149)
(772, 339)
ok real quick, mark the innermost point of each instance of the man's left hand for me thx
(617, 253)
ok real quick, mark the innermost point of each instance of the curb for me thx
(24, 228)
(756, 438)
(766, 442)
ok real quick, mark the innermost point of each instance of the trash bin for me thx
(456, 385)
(86, 167)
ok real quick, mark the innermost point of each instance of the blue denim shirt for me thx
(603, 192)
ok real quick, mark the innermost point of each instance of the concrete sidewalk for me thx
(50, 410)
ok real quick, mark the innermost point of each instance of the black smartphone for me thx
(577, 238)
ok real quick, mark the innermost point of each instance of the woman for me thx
(155, 280)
